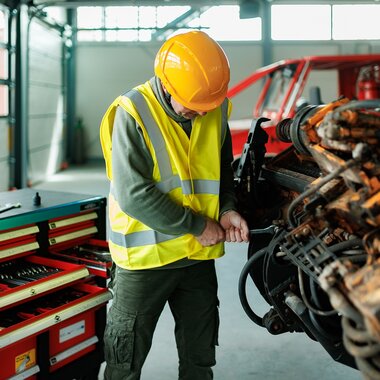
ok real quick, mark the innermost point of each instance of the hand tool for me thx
(268, 230)
(9, 206)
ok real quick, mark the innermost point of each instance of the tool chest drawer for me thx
(54, 263)
(93, 253)
(17, 242)
(71, 220)
(71, 228)
(15, 234)
(34, 275)
(35, 316)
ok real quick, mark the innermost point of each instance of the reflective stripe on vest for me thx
(141, 238)
(153, 132)
(200, 186)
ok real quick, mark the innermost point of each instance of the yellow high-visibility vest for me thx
(186, 169)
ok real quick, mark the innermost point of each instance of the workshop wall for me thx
(106, 70)
(4, 90)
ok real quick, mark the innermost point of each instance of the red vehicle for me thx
(284, 84)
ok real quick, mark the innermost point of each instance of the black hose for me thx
(324, 313)
(328, 334)
(330, 323)
(242, 287)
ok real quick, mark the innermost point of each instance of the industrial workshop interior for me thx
(189, 189)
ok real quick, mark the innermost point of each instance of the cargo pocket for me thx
(119, 339)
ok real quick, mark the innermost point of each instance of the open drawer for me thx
(93, 253)
(32, 276)
(35, 316)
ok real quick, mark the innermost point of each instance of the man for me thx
(168, 155)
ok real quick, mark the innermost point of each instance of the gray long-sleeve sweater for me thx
(133, 184)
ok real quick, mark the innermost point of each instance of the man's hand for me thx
(212, 234)
(235, 226)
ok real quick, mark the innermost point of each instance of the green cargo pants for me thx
(139, 298)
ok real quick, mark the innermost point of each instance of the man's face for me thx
(187, 113)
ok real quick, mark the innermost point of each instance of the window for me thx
(3, 64)
(149, 23)
(121, 17)
(3, 28)
(356, 22)
(90, 18)
(3, 100)
(215, 20)
(165, 15)
(301, 22)
(124, 23)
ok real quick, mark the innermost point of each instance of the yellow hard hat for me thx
(194, 69)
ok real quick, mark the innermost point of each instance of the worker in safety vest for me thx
(168, 154)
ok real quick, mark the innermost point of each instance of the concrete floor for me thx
(246, 351)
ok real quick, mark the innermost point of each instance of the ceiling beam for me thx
(79, 3)
(193, 3)
(180, 21)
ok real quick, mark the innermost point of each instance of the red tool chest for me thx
(54, 264)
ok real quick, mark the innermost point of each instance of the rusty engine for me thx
(314, 214)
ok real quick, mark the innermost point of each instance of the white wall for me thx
(105, 71)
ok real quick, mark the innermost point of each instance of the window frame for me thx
(5, 82)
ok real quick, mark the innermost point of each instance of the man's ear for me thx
(163, 87)
(166, 93)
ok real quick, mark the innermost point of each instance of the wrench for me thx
(9, 206)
